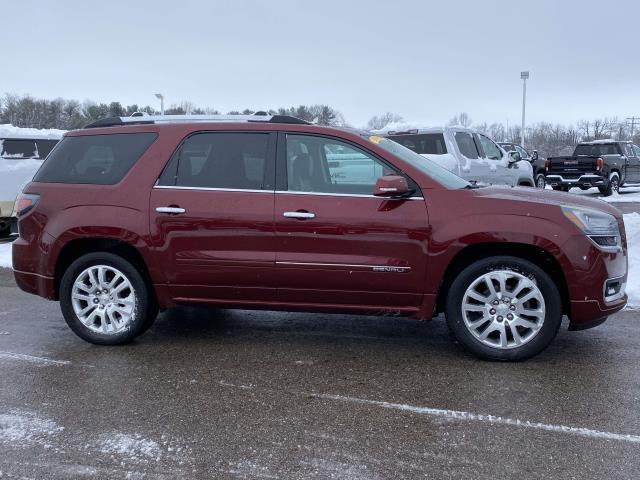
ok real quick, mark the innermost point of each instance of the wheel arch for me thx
(76, 248)
(542, 258)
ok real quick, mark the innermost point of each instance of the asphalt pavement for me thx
(242, 394)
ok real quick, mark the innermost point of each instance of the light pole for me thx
(161, 97)
(524, 76)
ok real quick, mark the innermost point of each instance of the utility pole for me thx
(524, 76)
(633, 124)
(161, 97)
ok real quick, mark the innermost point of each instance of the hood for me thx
(533, 197)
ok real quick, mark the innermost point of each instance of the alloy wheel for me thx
(503, 309)
(104, 299)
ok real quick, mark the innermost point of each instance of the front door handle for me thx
(301, 215)
(171, 210)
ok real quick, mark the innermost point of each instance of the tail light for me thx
(547, 163)
(24, 203)
(599, 164)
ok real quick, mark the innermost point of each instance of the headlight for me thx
(600, 227)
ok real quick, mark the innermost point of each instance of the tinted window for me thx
(19, 148)
(220, 160)
(428, 143)
(316, 164)
(94, 159)
(466, 145)
(508, 147)
(44, 147)
(491, 150)
(596, 150)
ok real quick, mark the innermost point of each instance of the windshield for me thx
(441, 175)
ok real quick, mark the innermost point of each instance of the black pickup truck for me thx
(606, 164)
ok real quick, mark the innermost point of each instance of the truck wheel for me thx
(105, 300)
(541, 181)
(612, 186)
(504, 308)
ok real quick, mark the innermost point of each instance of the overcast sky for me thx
(426, 61)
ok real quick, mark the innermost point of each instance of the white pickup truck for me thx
(22, 151)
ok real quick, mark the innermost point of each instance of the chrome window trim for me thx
(293, 192)
(212, 189)
(357, 195)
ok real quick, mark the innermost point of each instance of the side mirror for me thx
(534, 155)
(391, 186)
(515, 156)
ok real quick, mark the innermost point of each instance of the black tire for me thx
(538, 342)
(613, 185)
(541, 181)
(144, 314)
(5, 232)
(561, 188)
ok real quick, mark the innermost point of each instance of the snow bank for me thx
(5, 255)
(9, 131)
(626, 195)
(632, 226)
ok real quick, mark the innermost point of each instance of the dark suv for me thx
(133, 215)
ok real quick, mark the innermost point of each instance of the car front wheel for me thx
(105, 300)
(504, 308)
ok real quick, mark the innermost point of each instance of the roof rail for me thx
(152, 119)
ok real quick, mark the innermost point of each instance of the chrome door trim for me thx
(375, 268)
(173, 210)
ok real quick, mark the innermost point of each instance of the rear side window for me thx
(94, 159)
(596, 150)
(219, 160)
(427, 143)
(466, 145)
(44, 147)
(19, 148)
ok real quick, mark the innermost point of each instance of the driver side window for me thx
(325, 165)
(491, 150)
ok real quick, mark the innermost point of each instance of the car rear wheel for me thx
(504, 308)
(105, 300)
(541, 181)
(612, 187)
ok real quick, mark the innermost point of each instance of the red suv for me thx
(132, 215)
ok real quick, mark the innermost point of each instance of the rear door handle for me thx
(301, 215)
(172, 210)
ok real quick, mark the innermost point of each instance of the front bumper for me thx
(586, 180)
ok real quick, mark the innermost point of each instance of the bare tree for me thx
(462, 119)
(378, 122)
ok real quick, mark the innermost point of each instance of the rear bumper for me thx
(586, 180)
(35, 283)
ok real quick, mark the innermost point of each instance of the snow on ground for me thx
(23, 429)
(627, 194)
(5, 255)
(631, 221)
(632, 226)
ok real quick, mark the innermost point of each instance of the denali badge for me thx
(391, 269)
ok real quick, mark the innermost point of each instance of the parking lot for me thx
(239, 394)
